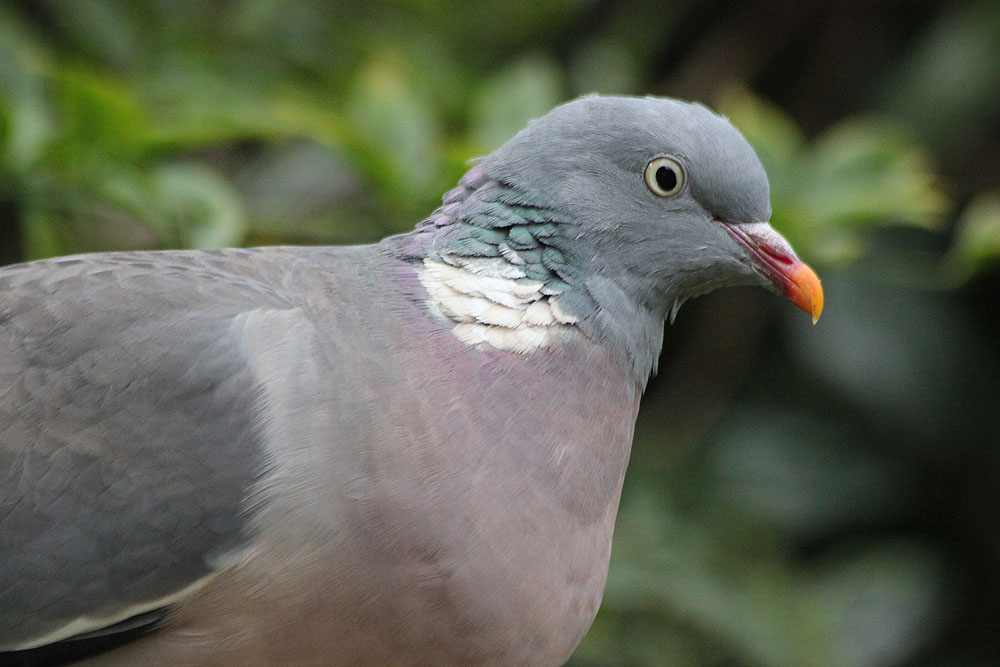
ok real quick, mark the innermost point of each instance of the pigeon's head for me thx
(666, 198)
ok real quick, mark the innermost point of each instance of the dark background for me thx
(798, 495)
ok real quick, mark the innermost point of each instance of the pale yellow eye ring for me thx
(664, 176)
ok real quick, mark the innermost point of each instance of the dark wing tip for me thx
(88, 644)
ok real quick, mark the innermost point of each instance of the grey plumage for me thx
(406, 453)
(118, 378)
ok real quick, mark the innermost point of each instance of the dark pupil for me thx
(666, 178)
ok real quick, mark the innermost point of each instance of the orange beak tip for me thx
(806, 291)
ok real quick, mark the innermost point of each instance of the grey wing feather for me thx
(128, 438)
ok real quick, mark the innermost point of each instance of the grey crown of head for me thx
(593, 132)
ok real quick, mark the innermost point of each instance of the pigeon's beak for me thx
(774, 258)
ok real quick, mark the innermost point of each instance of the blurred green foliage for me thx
(826, 193)
(775, 512)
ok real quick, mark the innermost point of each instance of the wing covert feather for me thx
(129, 443)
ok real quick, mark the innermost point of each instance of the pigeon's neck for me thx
(506, 271)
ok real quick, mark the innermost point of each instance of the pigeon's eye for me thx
(664, 176)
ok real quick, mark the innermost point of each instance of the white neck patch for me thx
(491, 302)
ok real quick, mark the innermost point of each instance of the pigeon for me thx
(406, 453)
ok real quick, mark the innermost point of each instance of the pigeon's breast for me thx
(494, 501)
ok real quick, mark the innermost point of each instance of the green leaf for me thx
(773, 134)
(202, 208)
(5, 120)
(40, 235)
(526, 89)
(977, 238)
(97, 115)
(24, 68)
(396, 129)
(864, 172)
(603, 66)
